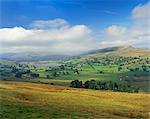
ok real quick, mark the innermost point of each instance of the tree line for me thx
(101, 85)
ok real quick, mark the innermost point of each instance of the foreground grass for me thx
(20, 100)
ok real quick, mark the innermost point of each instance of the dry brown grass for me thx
(95, 103)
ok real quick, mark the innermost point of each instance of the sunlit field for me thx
(20, 100)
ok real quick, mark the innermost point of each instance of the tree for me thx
(76, 84)
(28, 71)
(18, 75)
(115, 86)
(34, 75)
(131, 69)
(14, 69)
(92, 84)
(67, 73)
(62, 67)
(136, 90)
(76, 71)
(64, 73)
(101, 72)
(54, 74)
(86, 84)
(119, 68)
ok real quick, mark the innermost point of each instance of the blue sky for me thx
(94, 13)
(73, 26)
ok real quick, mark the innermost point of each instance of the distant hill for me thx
(104, 50)
(113, 51)
(32, 57)
(120, 51)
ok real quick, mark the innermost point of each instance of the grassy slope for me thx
(126, 52)
(134, 52)
(21, 100)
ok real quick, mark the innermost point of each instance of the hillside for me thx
(26, 100)
(133, 52)
(121, 51)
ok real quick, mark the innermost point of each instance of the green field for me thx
(131, 70)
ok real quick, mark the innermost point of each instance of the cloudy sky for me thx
(72, 26)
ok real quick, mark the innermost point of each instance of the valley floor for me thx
(22, 100)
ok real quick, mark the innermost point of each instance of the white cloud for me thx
(50, 24)
(73, 39)
(115, 30)
(137, 35)
(141, 14)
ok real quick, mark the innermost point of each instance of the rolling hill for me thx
(32, 57)
(113, 51)
(120, 51)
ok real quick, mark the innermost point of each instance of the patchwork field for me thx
(20, 100)
(133, 71)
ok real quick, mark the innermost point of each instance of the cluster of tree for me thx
(61, 70)
(18, 75)
(18, 72)
(138, 69)
(34, 75)
(14, 69)
(62, 67)
(100, 85)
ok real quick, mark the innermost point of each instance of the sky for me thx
(72, 26)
